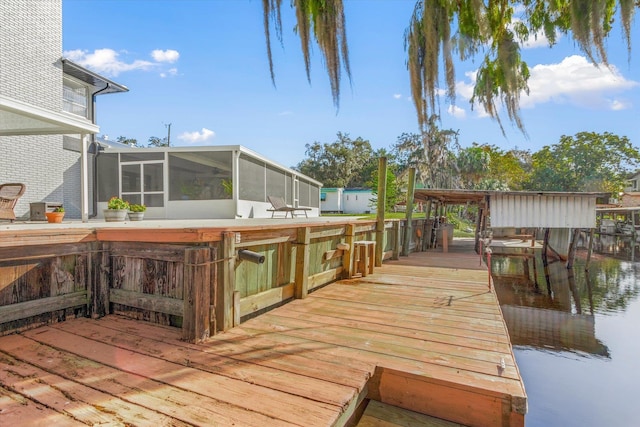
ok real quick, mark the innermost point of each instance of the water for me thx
(576, 338)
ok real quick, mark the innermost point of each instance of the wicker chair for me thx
(9, 195)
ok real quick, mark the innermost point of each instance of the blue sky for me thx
(201, 65)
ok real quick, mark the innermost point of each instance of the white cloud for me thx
(285, 113)
(105, 61)
(196, 137)
(397, 95)
(170, 72)
(168, 55)
(456, 112)
(108, 62)
(575, 80)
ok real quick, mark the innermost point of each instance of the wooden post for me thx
(197, 294)
(226, 286)
(236, 308)
(573, 246)
(100, 278)
(302, 262)
(478, 225)
(382, 197)
(348, 255)
(408, 230)
(445, 240)
(586, 264)
(426, 233)
(396, 244)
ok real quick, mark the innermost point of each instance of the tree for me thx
(339, 164)
(473, 164)
(154, 141)
(431, 153)
(128, 141)
(393, 193)
(587, 161)
(468, 28)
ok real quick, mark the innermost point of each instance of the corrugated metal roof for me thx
(549, 209)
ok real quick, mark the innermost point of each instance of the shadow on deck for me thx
(423, 333)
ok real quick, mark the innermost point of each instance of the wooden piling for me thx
(302, 262)
(197, 294)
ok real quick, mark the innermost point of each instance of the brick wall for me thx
(30, 71)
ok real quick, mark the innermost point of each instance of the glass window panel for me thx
(107, 173)
(154, 200)
(153, 176)
(75, 98)
(133, 198)
(252, 179)
(131, 179)
(289, 186)
(202, 175)
(141, 156)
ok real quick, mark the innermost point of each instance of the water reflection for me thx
(574, 333)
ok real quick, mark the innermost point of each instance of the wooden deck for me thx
(424, 333)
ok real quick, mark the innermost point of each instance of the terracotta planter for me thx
(113, 215)
(136, 216)
(54, 217)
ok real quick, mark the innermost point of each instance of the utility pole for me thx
(168, 125)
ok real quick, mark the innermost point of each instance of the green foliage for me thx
(137, 208)
(154, 141)
(117, 203)
(340, 164)
(227, 185)
(431, 153)
(325, 20)
(128, 141)
(494, 30)
(59, 209)
(587, 161)
(392, 195)
(473, 164)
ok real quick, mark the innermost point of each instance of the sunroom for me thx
(200, 182)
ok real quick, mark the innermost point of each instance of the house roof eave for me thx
(21, 118)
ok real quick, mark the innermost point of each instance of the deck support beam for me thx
(197, 295)
(302, 263)
(226, 286)
(382, 198)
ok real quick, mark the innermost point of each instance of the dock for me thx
(424, 333)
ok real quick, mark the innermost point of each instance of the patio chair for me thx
(278, 205)
(9, 195)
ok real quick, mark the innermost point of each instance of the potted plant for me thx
(55, 216)
(136, 212)
(117, 209)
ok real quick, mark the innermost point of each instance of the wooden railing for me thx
(192, 279)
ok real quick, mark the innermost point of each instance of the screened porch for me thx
(200, 182)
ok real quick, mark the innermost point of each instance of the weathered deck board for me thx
(378, 414)
(424, 333)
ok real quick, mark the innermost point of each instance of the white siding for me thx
(30, 71)
(548, 211)
(333, 201)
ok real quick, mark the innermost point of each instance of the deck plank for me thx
(16, 410)
(424, 333)
(262, 400)
(288, 382)
(72, 399)
(186, 406)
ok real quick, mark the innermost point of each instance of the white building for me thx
(348, 200)
(47, 108)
